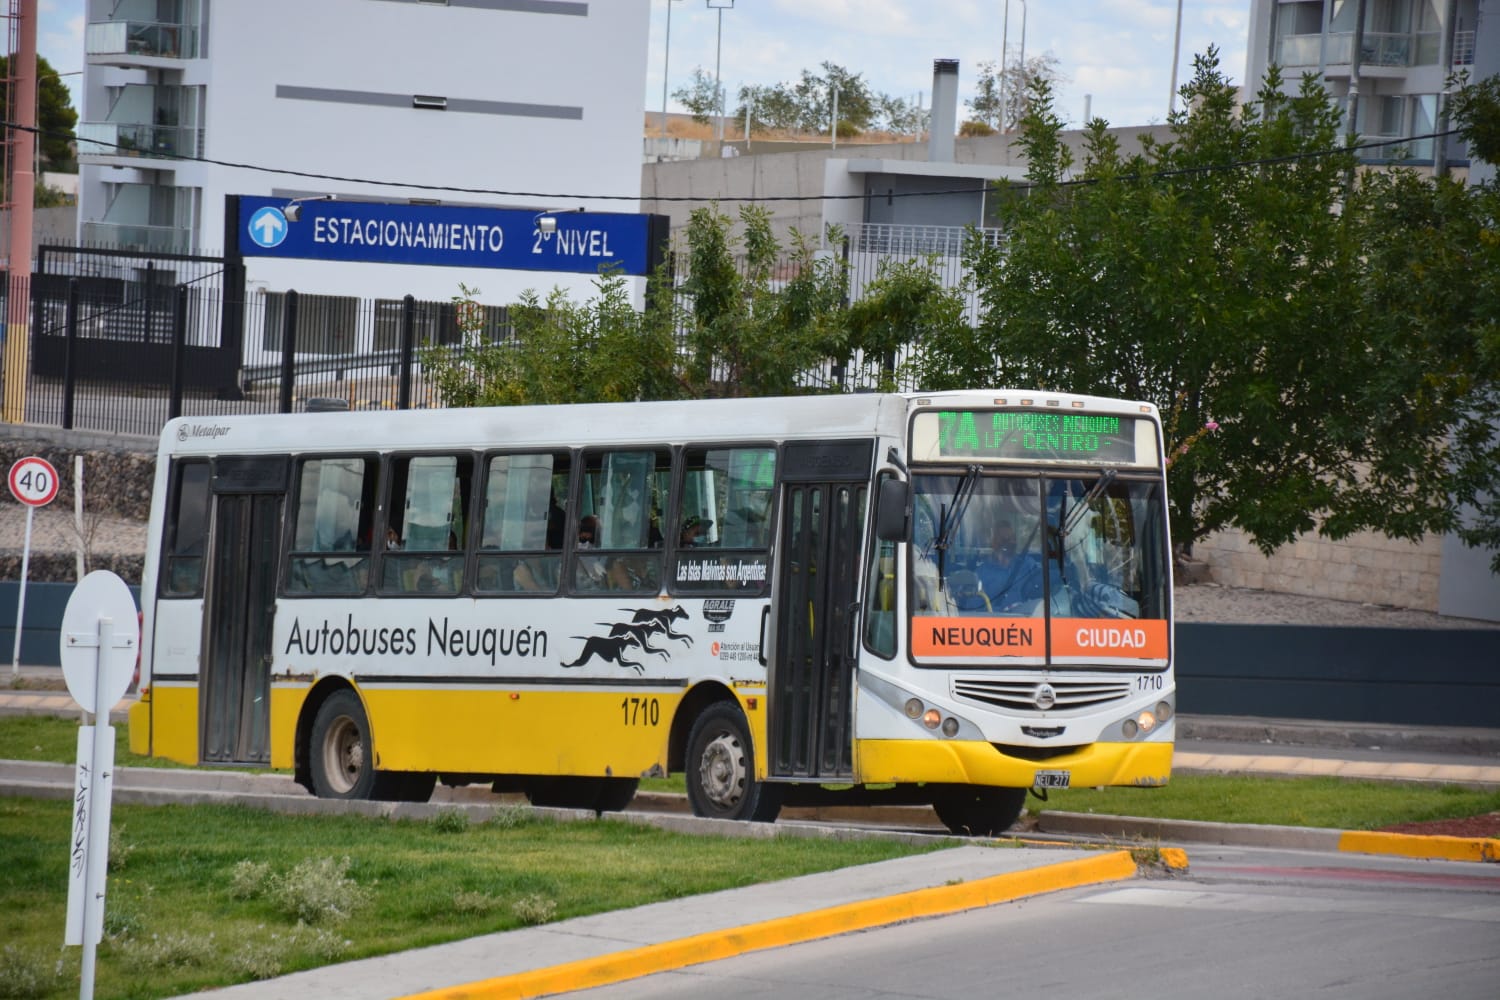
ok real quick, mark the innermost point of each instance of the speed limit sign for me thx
(33, 481)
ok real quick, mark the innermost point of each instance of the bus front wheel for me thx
(977, 810)
(720, 769)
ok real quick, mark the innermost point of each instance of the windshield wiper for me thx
(1106, 476)
(948, 521)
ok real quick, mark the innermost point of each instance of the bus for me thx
(948, 598)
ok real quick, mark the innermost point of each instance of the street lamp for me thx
(666, 62)
(720, 6)
(1023, 43)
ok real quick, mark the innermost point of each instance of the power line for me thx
(553, 196)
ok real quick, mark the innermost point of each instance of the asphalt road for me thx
(1241, 923)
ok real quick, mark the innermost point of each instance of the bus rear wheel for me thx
(720, 768)
(343, 760)
(977, 810)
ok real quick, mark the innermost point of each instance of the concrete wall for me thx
(1367, 568)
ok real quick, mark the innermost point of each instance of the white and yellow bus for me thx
(948, 597)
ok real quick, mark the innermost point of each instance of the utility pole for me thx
(22, 196)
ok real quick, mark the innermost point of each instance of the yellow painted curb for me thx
(828, 922)
(1174, 858)
(1411, 846)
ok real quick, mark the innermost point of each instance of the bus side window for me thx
(334, 518)
(724, 518)
(618, 495)
(523, 520)
(186, 531)
(427, 503)
(880, 600)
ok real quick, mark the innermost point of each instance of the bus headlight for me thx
(931, 718)
(950, 727)
(1128, 729)
(1163, 711)
(914, 708)
(1146, 721)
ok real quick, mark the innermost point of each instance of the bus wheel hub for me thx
(723, 770)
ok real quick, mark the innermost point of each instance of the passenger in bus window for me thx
(588, 532)
(618, 575)
(693, 528)
(392, 538)
(527, 577)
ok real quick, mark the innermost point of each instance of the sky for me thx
(1117, 53)
(1114, 55)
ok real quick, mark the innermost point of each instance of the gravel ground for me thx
(52, 530)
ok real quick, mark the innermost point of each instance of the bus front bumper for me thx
(975, 763)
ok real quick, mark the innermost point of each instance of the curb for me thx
(815, 925)
(1480, 849)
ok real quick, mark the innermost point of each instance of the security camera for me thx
(546, 224)
(293, 212)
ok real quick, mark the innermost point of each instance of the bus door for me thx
(239, 604)
(825, 485)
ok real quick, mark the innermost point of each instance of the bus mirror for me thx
(890, 514)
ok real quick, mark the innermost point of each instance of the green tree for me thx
(56, 117)
(1226, 274)
(1002, 108)
(906, 304)
(700, 96)
(761, 322)
(560, 351)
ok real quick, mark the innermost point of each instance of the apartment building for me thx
(542, 98)
(1394, 55)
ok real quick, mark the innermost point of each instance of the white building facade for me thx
(1392, 56)
(519, 104)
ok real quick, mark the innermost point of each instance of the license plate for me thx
(1052, 779)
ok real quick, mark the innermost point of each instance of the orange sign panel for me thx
(978, 637)
(1074, 637)
(1145, 638)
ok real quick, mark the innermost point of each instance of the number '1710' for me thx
(641, 711)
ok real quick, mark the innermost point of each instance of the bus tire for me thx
(978, 810)
(341, 756)
(615, 794)
(598, 795)
(720, 769)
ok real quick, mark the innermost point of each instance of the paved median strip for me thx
(817, 924)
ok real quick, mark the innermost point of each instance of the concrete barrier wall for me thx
(1443, 677)
(1419, 677)
(41, 630)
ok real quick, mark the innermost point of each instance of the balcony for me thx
(1390, 50)
(159, 239)
(127, 43)
(125, 139)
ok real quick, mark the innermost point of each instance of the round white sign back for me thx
(101, 594)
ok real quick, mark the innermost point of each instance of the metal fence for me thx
(121, 342)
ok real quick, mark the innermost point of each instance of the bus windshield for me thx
(1066, 544)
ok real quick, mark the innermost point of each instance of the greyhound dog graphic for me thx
(662, 620)
(610, 649)
(641, 634)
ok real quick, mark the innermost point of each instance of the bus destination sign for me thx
(1005, 435)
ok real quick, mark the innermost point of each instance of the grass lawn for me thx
(202, 896)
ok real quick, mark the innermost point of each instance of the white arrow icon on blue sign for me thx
(268, 227)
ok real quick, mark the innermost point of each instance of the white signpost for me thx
(33, 481)
(98, 650)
